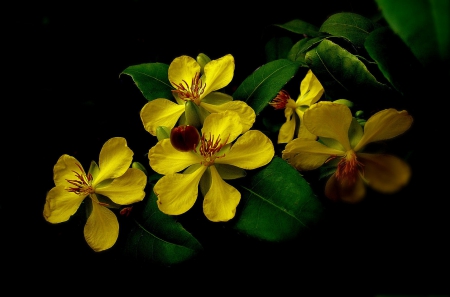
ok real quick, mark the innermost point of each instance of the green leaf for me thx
(277, 48)
(341, 73)
(269, 214)
(298, 51)
(265, 82)
(158, 238)
(151, 79)
(352, 26)
(300, 27)
(395, 60)
(424, 25)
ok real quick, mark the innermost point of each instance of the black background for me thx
(64, 96)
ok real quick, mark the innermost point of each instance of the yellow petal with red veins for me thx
(219, 204)
(115, 158)
(177, 192)
(224, 124)
(306, 154)
(102, 228)
(310, 90)
(126, 189)
(246, 113)
(165, 159)
(160, 112)
(65, 169)
(385, 173)
(252, 150)
(182, 70)
(344, 190)
(218, 74)
(383, 125)
(61, 204)
(331, 120)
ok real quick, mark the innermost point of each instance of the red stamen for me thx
(280, 101)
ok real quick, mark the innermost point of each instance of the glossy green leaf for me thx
(341, 73)
(395, 60)
(352, 26)
(277, 48)
(269, 214)
(298, 51)
(300, 27)
(158, 238)
(258, 89)
(151, 79)
(424, 25)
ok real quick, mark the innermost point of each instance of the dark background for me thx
(64, 96)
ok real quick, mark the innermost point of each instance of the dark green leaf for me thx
(158, 238)
(151, 79)
(424, 25)
(270, 214)
(265, 82)
(352, 26)
(277, 48)
(298, 51)
(341, 73)
(395, 60)
(300, 27)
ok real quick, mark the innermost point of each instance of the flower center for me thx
(349, 167)
(191, 92)
(209, 148)
(82, 185)
(283, 100)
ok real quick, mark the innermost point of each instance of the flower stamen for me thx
(349, 167)
(82, 183)
(209, 148)
(192, 92)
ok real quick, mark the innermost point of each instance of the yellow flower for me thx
(341, 141)
(110, 184)
(310, 92)
(196, 95)
(214, 159)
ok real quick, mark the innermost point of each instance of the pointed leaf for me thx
(277, 48)
(298, 51)
(158, 238)
(270, 214)
(258, 89)
(352, 26)
(151, 79)
(341, 73)
(424, 25)
(395, 60)
(300, 27)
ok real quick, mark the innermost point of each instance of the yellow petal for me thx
(331, 120)
(307, 154)
(217, 98)
(287, 130)
(302, 131)
(219, 204)
(115, 158)
(343, 190)
(310, 90)
(61, 204)
(178, 192)
(383, 125)
(218, 74)
(182, 70)
(126, 189)
(385, 173)
(101, 229)
(252, 150)
(224, 124)
(160, 112)
(165, 159)
(246, 113)
(65, 169)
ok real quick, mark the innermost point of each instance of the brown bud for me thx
(184, 138)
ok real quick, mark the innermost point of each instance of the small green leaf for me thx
(298, 51)
(300, 27)
(277, 48)
(269, 214)
(352, 26)
(341, 73)
(151, 79)
(158, 238)
(395, 60)
(258, 89)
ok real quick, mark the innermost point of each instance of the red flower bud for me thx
(184, 138)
